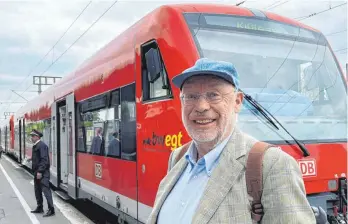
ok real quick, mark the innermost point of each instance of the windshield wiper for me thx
(264, 112)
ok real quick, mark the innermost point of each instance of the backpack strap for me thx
(253, 176)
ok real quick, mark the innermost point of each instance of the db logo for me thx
(308, 167)
(98, 171)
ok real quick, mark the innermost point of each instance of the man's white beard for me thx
(219, 138)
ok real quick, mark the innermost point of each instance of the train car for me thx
(112, 124)
(5, 136)
(11, 137)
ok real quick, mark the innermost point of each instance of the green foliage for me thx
(40, 126)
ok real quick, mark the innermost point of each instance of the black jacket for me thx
(98, 146)
(40, 158)
(114, 148)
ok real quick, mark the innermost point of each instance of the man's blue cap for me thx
(205, 66)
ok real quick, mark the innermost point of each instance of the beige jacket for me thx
(225, 199)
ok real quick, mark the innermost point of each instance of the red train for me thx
(111, 124)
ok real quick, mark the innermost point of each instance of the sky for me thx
(52, 38)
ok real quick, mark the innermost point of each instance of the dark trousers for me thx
(40, 186)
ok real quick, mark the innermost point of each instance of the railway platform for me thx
(17, 199)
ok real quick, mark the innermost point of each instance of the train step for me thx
(62, 195)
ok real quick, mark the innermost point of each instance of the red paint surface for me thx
(117, 175)
(330, 159)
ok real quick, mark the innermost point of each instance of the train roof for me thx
(68, 83)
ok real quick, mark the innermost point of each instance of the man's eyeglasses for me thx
(210, 97)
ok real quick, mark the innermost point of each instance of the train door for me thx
(6, 139)
(153, 130)
(70, 103)
(2, 146)
(20, 141)
(63, 142)
(23, 140)
(54, 134)
(15, 140)
(63, 149)
(12, 134)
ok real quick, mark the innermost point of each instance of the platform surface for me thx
(17, 199)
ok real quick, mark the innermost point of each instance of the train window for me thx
(46, 131)
(28, 128)
(81, 131)
(81, 136)
(112, 135)
(112, 139)
(128, 123)
(110, 132)
(93, 126)
(16, 142)
(115, 98)
(154, 75)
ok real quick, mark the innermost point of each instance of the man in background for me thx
(41, 169)
(114, 146)
(98, 142)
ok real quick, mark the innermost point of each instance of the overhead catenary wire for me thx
(273, 6)
(317, 13)
(340, 49)
(74, 42)
(65, 32)
(336, 32)
(40, 61)
(79, 37)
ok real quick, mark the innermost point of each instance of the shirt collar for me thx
(209, 160)
(37, 142)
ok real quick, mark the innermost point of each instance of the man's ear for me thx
(239, 97)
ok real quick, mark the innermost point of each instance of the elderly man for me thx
(208, 185)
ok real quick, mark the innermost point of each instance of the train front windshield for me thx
(289, 70)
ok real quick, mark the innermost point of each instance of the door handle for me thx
(143, 168)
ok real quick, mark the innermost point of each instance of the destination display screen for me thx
(93, 104)
(249, 24)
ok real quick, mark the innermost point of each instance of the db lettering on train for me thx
(308, 167)
(98, 170)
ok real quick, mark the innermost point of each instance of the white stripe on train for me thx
(128, 205)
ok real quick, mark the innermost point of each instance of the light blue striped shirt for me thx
(181, 203)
